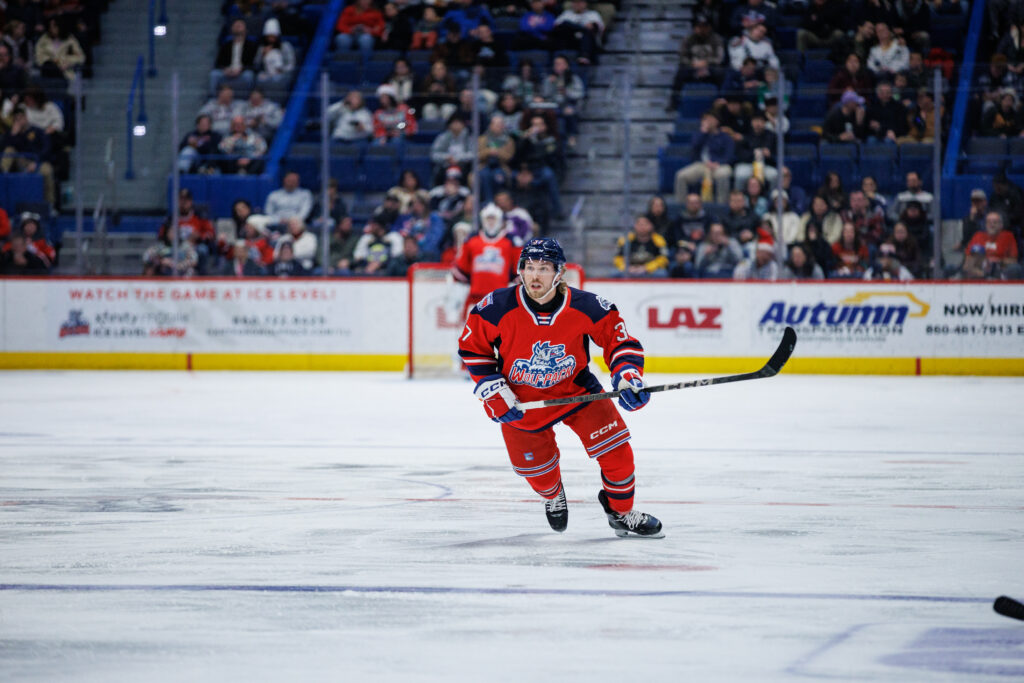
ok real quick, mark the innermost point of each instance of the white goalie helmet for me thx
(492, 221)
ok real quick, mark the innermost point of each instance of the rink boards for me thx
(363, 324)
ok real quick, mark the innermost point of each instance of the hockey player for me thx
(530, 342)
(487, 260)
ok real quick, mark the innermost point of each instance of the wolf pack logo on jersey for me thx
(605, 304)
(75, 325)
(548, 366)
(485, 302)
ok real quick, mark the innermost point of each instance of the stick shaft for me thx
(770, 369)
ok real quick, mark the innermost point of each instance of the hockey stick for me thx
(1009, 607)
(770, 369)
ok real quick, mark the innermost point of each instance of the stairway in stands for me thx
(189, 46)
(642, 48)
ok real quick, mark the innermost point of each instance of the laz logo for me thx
(604, 430)
(704, 318)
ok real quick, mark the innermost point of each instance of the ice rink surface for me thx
(361, 527)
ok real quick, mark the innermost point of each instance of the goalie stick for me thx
(1009, 607)
(770, 369)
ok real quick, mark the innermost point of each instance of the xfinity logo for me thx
(604, 430)
(702, 318)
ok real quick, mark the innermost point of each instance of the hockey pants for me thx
(605, 437)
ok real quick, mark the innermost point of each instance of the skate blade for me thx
(628, 534)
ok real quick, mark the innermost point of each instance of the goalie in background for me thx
(487, 261)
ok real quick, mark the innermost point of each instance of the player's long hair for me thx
(562, 287)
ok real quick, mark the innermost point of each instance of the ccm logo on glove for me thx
(499, 401)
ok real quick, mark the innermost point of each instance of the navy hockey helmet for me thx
(543, 249)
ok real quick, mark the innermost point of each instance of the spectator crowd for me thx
(532, 59)
(834, 232)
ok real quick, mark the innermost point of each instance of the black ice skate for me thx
(557, 512)
(633, 523)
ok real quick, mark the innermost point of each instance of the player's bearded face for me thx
(539, 278)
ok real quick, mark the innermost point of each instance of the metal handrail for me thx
(139, 86)
(152, 39)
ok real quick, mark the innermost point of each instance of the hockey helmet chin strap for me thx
(554, 283)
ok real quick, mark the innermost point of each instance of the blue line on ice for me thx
(299, 588)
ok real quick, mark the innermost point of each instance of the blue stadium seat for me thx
(416, 158)
(979, 146)
(879, 162)
(419, 57)
(20, 187)
(715, 210)
(790, 58)
(375, 73)
(506, 25)
(540, 58)
(219, 192)
(427, 130)
(700, 90)
(986, 156)
(947, 32)
(916, 157)
(308, 168)
(818, 71)
(785, 37)
(388, 56)
(817, 53)
(380, 168)
(812, 107)
(807, 137)
(803, 162)
(841, 158)
(680, 137)
(345, 73)
(346, 171)
(670, 160)
(803, 124)
(984, 165)
(1016, 156)
(692, 106)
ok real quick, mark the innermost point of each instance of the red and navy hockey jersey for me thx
(544, 356)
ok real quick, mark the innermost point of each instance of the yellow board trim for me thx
(16, 360)
(839, 366)
(202, 361)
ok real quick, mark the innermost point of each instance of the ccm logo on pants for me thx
(604, 430)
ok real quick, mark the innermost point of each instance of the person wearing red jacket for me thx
(255, 235)
(35, 240)
(394, 120)
(535, 337)
(999, 246)
(359, 26)
(5, 226)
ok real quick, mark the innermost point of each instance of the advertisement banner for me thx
(938, 328)
(221, 316)
(832, 320)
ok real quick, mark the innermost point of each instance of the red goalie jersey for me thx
(486, 264)
(544, 356)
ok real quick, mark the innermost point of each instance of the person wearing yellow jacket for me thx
(643, 252)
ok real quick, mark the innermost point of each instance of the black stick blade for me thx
(1009, 607)
(781, 354)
